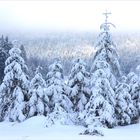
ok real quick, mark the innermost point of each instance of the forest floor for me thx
(35, 129)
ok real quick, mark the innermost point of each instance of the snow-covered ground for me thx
(34, 129)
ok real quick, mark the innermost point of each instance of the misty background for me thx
(68, 29)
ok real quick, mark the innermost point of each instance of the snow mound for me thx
(34, 122)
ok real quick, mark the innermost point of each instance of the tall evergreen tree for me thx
(126, 112)
(14, 89)
(107, 49)
(79, 84)
(100, 110)
(134, 83)
(59, 103)
(38, 103)
(5, 46)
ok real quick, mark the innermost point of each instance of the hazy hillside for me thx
(70, 45)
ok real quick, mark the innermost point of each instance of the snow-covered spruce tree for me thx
(134, 83)
(14, 89)
(5, 46)
(100, 110)
(38, 103)
(126, 112)
(59, 103)
(79, 84)
(106, 49)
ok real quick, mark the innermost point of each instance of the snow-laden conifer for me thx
(134, 83)
(14, 89)
(106, 49)
(79, 84)
(100, 110)
(5, 46)
(38, 103)
(126, 112)
(59, 103)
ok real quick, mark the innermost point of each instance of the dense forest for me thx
(73, 78)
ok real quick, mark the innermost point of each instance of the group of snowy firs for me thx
(101, 97)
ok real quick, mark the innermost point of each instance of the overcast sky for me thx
(67, 15)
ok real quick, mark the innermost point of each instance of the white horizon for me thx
(68, 15)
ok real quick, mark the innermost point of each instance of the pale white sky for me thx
(68, 15)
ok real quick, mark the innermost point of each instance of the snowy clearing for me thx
(34, 129)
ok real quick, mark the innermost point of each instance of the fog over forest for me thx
(69, 45)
